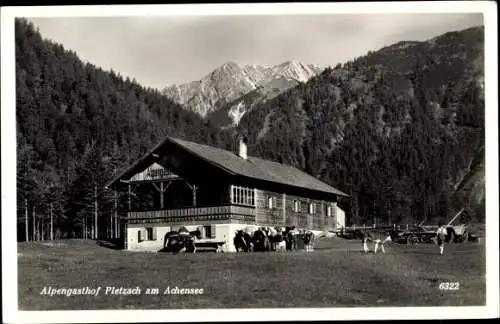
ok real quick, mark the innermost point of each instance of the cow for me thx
(279, 241)
(380, 243)
(377, 241)
(308, 238)
(271, 235)
(291, 237)
(365, 238)
(242, 241)
(261, 241)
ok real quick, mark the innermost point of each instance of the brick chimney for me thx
(243, 147)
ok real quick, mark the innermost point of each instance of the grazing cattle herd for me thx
(262, 239)
(267, 239)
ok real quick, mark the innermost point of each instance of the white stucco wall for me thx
(132, 237)
(340, 214)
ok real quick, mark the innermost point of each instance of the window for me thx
(296, 206)
(271, 202)
(312, 208)
(328, 211)
(150, 234)
(208, 231)
(243, 196)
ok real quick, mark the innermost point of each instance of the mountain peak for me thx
(232, 81)
(296, 70)
(290, 63)
(230, 64)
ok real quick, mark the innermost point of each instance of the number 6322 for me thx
(449, 286)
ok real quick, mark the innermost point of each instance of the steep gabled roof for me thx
(252, 167)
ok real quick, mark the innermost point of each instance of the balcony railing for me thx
(194, 214)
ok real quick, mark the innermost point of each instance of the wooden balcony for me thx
(191, 215)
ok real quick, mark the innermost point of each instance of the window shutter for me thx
(154, 234)
(212, 231)
(139, 236)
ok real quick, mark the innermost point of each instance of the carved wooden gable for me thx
(154, 172)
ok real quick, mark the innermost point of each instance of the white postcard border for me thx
(8, 135)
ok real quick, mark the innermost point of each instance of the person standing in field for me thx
(365, 238)
(441, 235)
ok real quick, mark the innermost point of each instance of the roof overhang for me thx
(155, 155)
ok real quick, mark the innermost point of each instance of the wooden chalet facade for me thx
(181, 183)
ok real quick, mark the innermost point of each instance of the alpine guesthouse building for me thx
(185, 184)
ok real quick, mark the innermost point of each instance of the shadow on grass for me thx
(421, 252)
(110, 244)
(171, 250)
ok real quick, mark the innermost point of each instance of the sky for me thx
(163, 50)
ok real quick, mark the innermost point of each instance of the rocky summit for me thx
(236, 88)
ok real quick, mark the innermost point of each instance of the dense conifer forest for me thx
(78, 126)
(397, 129)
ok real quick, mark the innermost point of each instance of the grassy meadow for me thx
(335, 274)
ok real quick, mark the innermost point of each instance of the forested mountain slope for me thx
(78, 125)
(396, 128)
